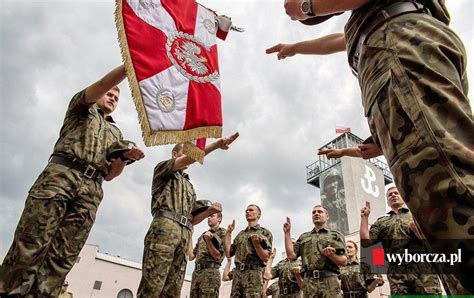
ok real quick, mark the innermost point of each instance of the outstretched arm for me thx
(321, 7)
(223, 143)
(99, 88)
(325, 45)
(215, 207)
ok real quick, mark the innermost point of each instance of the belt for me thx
(292, 289)
(181, 219)
(242, 267)
(87, 170)
(393, 10)
(355, 294)
(203, 266)
(318, 274)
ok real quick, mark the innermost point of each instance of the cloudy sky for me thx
(283, 110)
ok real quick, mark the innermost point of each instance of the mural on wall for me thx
(333, 198)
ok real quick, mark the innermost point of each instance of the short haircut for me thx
(325, 210)
(219, 215)
(391, 187)
(258, 208)
(116, 88)
(178, 147)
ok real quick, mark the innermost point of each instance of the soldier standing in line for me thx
(167, 240)
(356, 277)
(209, 254)
(411, 69)
(61, 205)
(397, 231)
(322, 252)
(252, 248)
(289, 282)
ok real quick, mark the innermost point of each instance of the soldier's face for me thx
(319, 215)
(351, 251)
(109, 101)
(393, 198)
(251, 213)
(213, 220)
(332, 187)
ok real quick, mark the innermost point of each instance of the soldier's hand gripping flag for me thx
(170, 53)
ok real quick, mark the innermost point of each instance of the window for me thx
(97, 285)
(125, 293)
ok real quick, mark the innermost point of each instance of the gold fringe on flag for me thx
(194, 152)
(153, 138)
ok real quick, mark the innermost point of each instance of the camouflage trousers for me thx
(411, 284)
(205, 283)
(414, 86)
(247, 283)
(327, 287)
(164, 259)
(58, 215)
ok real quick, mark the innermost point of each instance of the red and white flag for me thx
(170, 53)
(343, 129)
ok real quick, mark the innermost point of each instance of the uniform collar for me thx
(214, 229)
(256, 227)
(353, 263)
(401, 210)
(107, 118)
(323, 229)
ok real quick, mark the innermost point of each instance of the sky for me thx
(283, 110)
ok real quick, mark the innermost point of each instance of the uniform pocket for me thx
(390, 120)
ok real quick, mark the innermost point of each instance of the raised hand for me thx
(283, 50)
(231, 227)
(365, 211)
(287, 226)
(224, 143)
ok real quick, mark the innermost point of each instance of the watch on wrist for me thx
(307, 8)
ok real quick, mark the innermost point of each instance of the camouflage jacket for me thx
(356, 277)
(394, 232)
(243, 249)
(282, 271)
(311, 244)
(171, 190)
(201, 251)
(86, 133)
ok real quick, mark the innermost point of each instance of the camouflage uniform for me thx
(61, 206)
(249, 283)
(286, 278)
(273, 290)
(166, 243)
(395, 234)
(355, 278)
(310, 246)
(412, 74)
(206, 282)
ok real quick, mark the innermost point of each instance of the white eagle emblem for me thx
(188, 53)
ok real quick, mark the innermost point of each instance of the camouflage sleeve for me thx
(369, 277)
(275, 271)
(78, 104)
(374, 231)
(297, 247)
(269, 236)
(160, 172)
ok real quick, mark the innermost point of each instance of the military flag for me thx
(170, 54)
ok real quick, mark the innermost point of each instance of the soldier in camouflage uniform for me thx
(289, 283)
(209, 253)
(356, 277)
(252, 248)
(61, 205)
(322, 252)
(397, 231)
(411, 69)
(166, 243)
